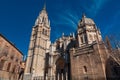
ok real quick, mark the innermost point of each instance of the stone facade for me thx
(89, 62)
(39, 46)
(80, 56)
(89, 57)
(10, 59)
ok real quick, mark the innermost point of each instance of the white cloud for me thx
(67, 19)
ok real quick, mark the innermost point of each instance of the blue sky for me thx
(18, 16)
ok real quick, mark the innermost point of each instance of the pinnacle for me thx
(83, 15)
(44, 5)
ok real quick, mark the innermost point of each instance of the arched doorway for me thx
(60, 69)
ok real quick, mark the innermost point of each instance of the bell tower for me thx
(87, 32)
(39, 45)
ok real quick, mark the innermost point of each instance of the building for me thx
(39, 46)
(80, 56)
(10, 59)
(89, 57)
(21, 70)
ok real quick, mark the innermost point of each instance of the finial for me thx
(49, 22)
(117, 47)
(73, 35)
(70, 34)
(44, 5)
(62, 34)
(83, 15)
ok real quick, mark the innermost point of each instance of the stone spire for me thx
(43, 17)
(83, 18)
(39, 45)
(73, 35)
(108, 44)
(44, 8)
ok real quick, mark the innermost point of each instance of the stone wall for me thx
(86, 63)
(10, 59)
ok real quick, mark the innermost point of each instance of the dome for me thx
(86, 20)
(89, 21)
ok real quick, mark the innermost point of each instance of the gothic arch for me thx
(43, 32)
(8, 67)
(60, 68)
(2, 62)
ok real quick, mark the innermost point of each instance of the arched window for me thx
(4, 52)
(84, 69)
(43, 19)
(16, 60)
(8, 67)
(85, 36)
(43, 32)
(40, 20)
(2, 64)
(12, 57)
(58, 45)
(14, 69)
(81, 39)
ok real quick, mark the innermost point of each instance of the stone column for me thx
(56, 75)
(60, 76)
(64, 76)
(72, 51)
(46, 76)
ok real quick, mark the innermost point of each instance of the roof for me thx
(86, 20)
(89, 21)
(10, 43)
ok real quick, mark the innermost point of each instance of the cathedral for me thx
(79, 56)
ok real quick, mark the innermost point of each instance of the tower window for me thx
(58, 46)
(12, 57)
(43, 32)
(16, 60)
(81, 39)
(43, 19)
(13, 69)
(84, 69)
(8, 67)
(85, 38)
